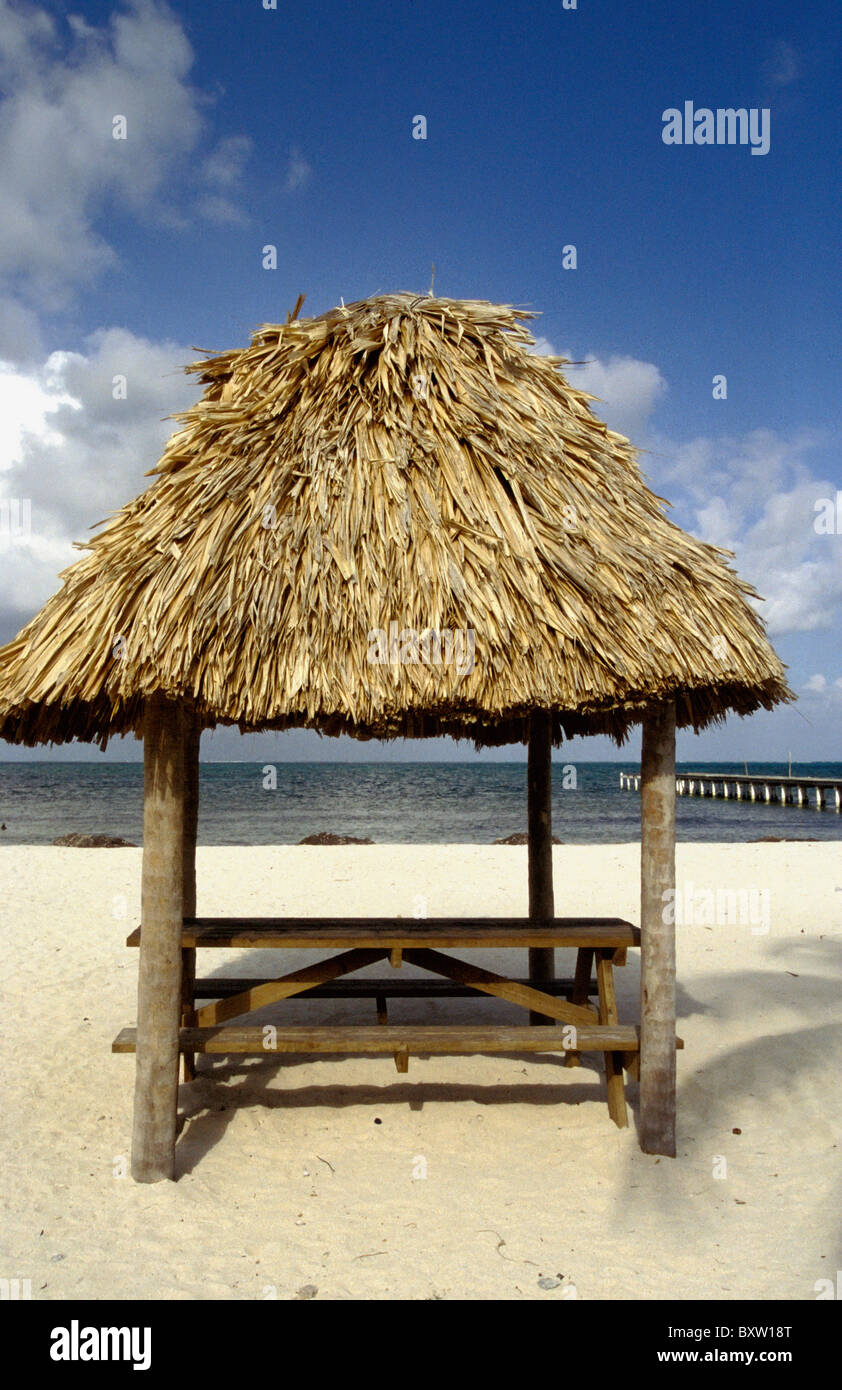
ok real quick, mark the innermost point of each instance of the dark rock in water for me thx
(783, 840)
(77, 841)
(520, 837)
(325, 837)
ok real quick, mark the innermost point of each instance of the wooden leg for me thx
(580, 995)
(615, 1089)
(614, 1086)
(631, 1065)
(188, 1016)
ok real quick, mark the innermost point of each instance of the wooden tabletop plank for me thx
(390, 932)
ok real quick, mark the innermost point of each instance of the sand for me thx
(483, 1174)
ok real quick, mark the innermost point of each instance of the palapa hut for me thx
(403, 465)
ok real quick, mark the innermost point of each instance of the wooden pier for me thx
(784, 791)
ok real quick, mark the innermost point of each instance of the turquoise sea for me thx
(397, 803)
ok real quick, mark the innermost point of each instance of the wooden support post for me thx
(159, 974)
(657, 980)
(192, 737)
(540, 825)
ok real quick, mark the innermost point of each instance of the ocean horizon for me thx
(389, 803)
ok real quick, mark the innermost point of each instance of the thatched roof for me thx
(404, 460)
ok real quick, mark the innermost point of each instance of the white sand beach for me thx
(484, 1173)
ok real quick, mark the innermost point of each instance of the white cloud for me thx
(218, 209)
(224, 165)
(26, 404)
(20, 332)
(61, 166)
(24, 32)
(63, 170)
(223, 172)
(821, 696)
(77, 453)
(627, 389)
(756, 495)
(744, 469)
(298, 171)
(799, 572)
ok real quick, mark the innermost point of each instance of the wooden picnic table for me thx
(571, 1021)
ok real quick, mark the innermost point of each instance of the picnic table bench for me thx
(571, 1022)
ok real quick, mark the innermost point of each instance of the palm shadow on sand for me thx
(774, 1070)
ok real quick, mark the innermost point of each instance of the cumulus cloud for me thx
(65, 86)
(744, 469)
(62, 167)
(74, 450)
(298, 171)
(822, 698)
(223, 172)
(20, 332)
(224, 165)
(627, 389)
(757, 495)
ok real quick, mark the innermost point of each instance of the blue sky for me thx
(249, 126)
